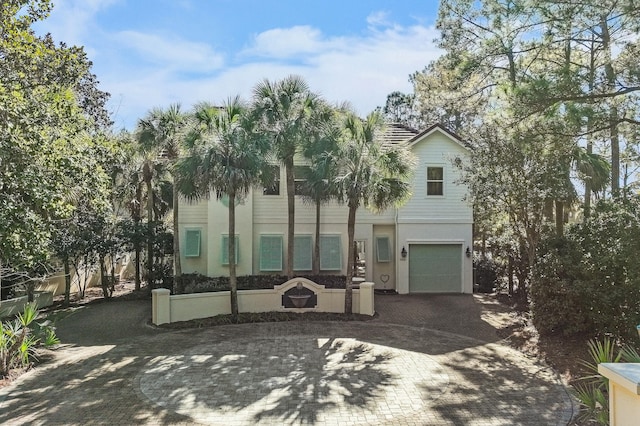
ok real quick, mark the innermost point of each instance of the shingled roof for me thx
(396, 134)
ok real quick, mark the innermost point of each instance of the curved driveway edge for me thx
(120, 371)
(290, 373)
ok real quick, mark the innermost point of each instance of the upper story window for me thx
(300, 174)
(273, 179)
(435, 180)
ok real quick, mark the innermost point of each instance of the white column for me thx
(366, 299)
(160, 306)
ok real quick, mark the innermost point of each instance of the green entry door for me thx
(435, 268)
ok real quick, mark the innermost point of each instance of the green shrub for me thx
(196, 283)
(592, 392)
(558, 286)
(20, 338)
(590, 280)
(486, 274)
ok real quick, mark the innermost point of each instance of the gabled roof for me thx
(437, 128)
(397, 134)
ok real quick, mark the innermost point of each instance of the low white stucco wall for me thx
(624, 392)
(185, 307)
(16, 305)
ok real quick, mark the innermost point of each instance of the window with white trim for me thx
(300, 174)
(192, 243)
(383, 249)
(330, 253)
(435, 180)
(302, 253)
(225, 250)
(271, 252)
(273, 178)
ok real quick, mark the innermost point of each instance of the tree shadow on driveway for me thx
(211, 375)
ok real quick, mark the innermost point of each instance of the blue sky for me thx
(150, 53)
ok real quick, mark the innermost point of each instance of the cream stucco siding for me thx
(435, 233)
(192, 212)
(424, 219)
(437, 150)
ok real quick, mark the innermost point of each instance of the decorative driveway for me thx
(327, 373)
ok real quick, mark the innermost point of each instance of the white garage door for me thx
(435, 268)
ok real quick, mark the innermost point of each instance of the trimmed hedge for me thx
(196, 283)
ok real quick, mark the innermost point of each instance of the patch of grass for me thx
(244, 318)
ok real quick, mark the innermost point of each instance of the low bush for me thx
(486, 275)
(20, 338)
(196, 283)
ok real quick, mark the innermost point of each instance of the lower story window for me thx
(330, 253)
(225, 250)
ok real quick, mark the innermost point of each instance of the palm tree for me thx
(593, 169)
(161, 132)
(225, 156)
(319, 185)
(285, 109)
(129, 192)
(372, 175)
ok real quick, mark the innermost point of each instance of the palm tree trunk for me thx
(177, 270)
(232, 257)
(291, 215)
(348, 293)
(316, 246)
(136, 244)
(149, 234)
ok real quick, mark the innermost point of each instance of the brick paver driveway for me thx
(409, 366)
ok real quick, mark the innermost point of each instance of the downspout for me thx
(397, 250)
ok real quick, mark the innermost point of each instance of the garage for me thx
(435, 268)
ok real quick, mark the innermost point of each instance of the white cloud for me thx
(284, 42)
(379, 18)
(360, 70)
(143, 70)
(171, 52)
(72, 20)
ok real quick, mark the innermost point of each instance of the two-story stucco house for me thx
(423, 246)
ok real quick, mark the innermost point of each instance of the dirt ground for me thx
(564, 353)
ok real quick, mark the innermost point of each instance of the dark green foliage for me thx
(558, 288)
(195, 283)
(20, 339)
(486, 275)
(589, 281)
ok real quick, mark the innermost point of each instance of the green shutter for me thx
(302, 253)
(271, 252)
(330, 253)
(192, 243)
(225, 250)
(383, 249)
